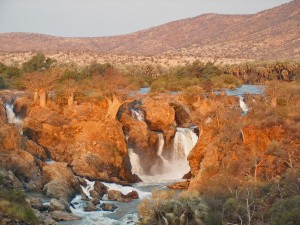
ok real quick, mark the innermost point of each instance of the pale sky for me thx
(91, 18)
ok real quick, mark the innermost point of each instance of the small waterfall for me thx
(184, 141)
(135, 163)
(137, 114)
(161, 143)
(12, 118)
(243, 105)
(89, 186)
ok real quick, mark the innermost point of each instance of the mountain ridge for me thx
(272, 33)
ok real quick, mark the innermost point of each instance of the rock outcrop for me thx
(84, 138)
(236, 147)
(160, 116)
(114, 195)
(14, 158)
(60, 181)
(142, 141)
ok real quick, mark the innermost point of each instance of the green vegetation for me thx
(209, 76)
(39, 62)
(286, 211)
(13, 203)
(167, 207)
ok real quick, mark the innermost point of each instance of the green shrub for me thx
(286, 211)
(18, 211)
(2, 83)
(12, 195)
(169, 208)
(226, 81)
(38, 62)
(213, 218)
(13, 203)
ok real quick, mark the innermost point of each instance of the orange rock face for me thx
(233, 145)
(60, 181)
(142, 141)
(14, 157)
(92, 144)
(160, 116)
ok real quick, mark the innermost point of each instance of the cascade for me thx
(184, 141)
(243, 105)
(135, 162)
(12, 118)
(137, 114)
(161, 143)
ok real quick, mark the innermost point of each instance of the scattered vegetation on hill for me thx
(207, 75)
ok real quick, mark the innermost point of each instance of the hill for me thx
(270, 34)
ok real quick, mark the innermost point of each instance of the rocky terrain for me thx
(271, 34)
(84, 144)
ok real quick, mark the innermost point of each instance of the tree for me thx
(286, 211)
(41, 83)
(111, 86)
(38, 62)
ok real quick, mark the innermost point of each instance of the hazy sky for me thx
(111, 17)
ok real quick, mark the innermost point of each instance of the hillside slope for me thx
(270, 34)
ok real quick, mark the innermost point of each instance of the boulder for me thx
(95, 201)
(63, 216)
(60, 181)
(108, 207)
(59, 205)
(94, 194)
(182, 114)
(20, 107)
(36, 203)
(82, 181)
(47, 220)
(9, 180)
(13, 157)
(90, 207)
(35, 149)
(133, 195)
(160, 116)
(100, 188)
(118, 196)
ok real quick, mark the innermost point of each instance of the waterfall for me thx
(135, 163)
(161, 143)
(137, 114)
(167, 167)
(243, 105)
(12, 118)
(184, 141)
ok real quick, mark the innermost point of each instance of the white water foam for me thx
(12, 118)
(135, 163)
(184, 141)
(102, 217)
(137, 114)
(49, 162)
(243, 105)
(161, 143)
